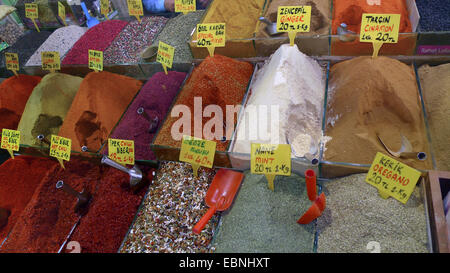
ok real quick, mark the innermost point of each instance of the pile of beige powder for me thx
(435, 83)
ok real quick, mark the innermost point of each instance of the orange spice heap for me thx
(218, 81)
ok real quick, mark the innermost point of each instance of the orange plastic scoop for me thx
(220, 195)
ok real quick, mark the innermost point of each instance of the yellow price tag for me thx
(10, 141)
(104, 7)
(135, 8)
(96, 60)
(379, 29)
(62, 12)
(60, 147)
(50, 61)
(121, 151)
(31, 12)
(270, 160)
(211, 36)
(12, 62)
(185, 6)
(165, 55)
(198, 152)
(392, 178)
(293, 19)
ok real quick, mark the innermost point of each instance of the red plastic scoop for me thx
(319, 202)
(220, 195)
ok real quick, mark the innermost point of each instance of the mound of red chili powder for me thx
(19, 178)
(98, 37)
(49, 216)
(111, 213)
(14, 94)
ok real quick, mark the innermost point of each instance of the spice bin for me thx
(331, 169)
(438, 185)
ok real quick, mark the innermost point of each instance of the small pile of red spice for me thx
(111, 213)
(14, 94)
(19, 178)
(49, 216)
(218, 81)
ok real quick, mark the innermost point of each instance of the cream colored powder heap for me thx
(285, 104)
(435, 83)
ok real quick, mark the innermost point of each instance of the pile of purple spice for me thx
(155, 97)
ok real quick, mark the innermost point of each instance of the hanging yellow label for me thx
(121, 151)
(96, 60)
(198, 152)
(392, 178)
(185, 6)
(50, 60)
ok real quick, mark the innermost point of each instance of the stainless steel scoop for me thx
(135, 173)
(83, 197)
(405, 151)
(271, 28)
(346, 35)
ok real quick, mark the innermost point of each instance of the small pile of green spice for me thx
(356, 215)
(177, 33)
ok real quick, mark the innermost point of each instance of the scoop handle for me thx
(86, 12)
(205, 219)
(112, 163)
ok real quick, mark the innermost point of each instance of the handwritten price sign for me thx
(50, 60)
(60, 147)
(270, 160)
(121, 151)
(198, 152)
(382, 28)
(294, 18)
(96, 60)
(211, 36)
(165, 55)
(31, 11)
(62, 12)
(392, 178)
(135, 8)
(104, 7)
(10, 141)
(12, 61)
(185, 6)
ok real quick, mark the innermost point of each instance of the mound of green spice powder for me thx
(177, 33)
(263, 221)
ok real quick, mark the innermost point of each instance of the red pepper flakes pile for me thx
(19, 178)
(219, 81)
(98, 37)
(49, 216)
(111, 213)
(14, 94)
